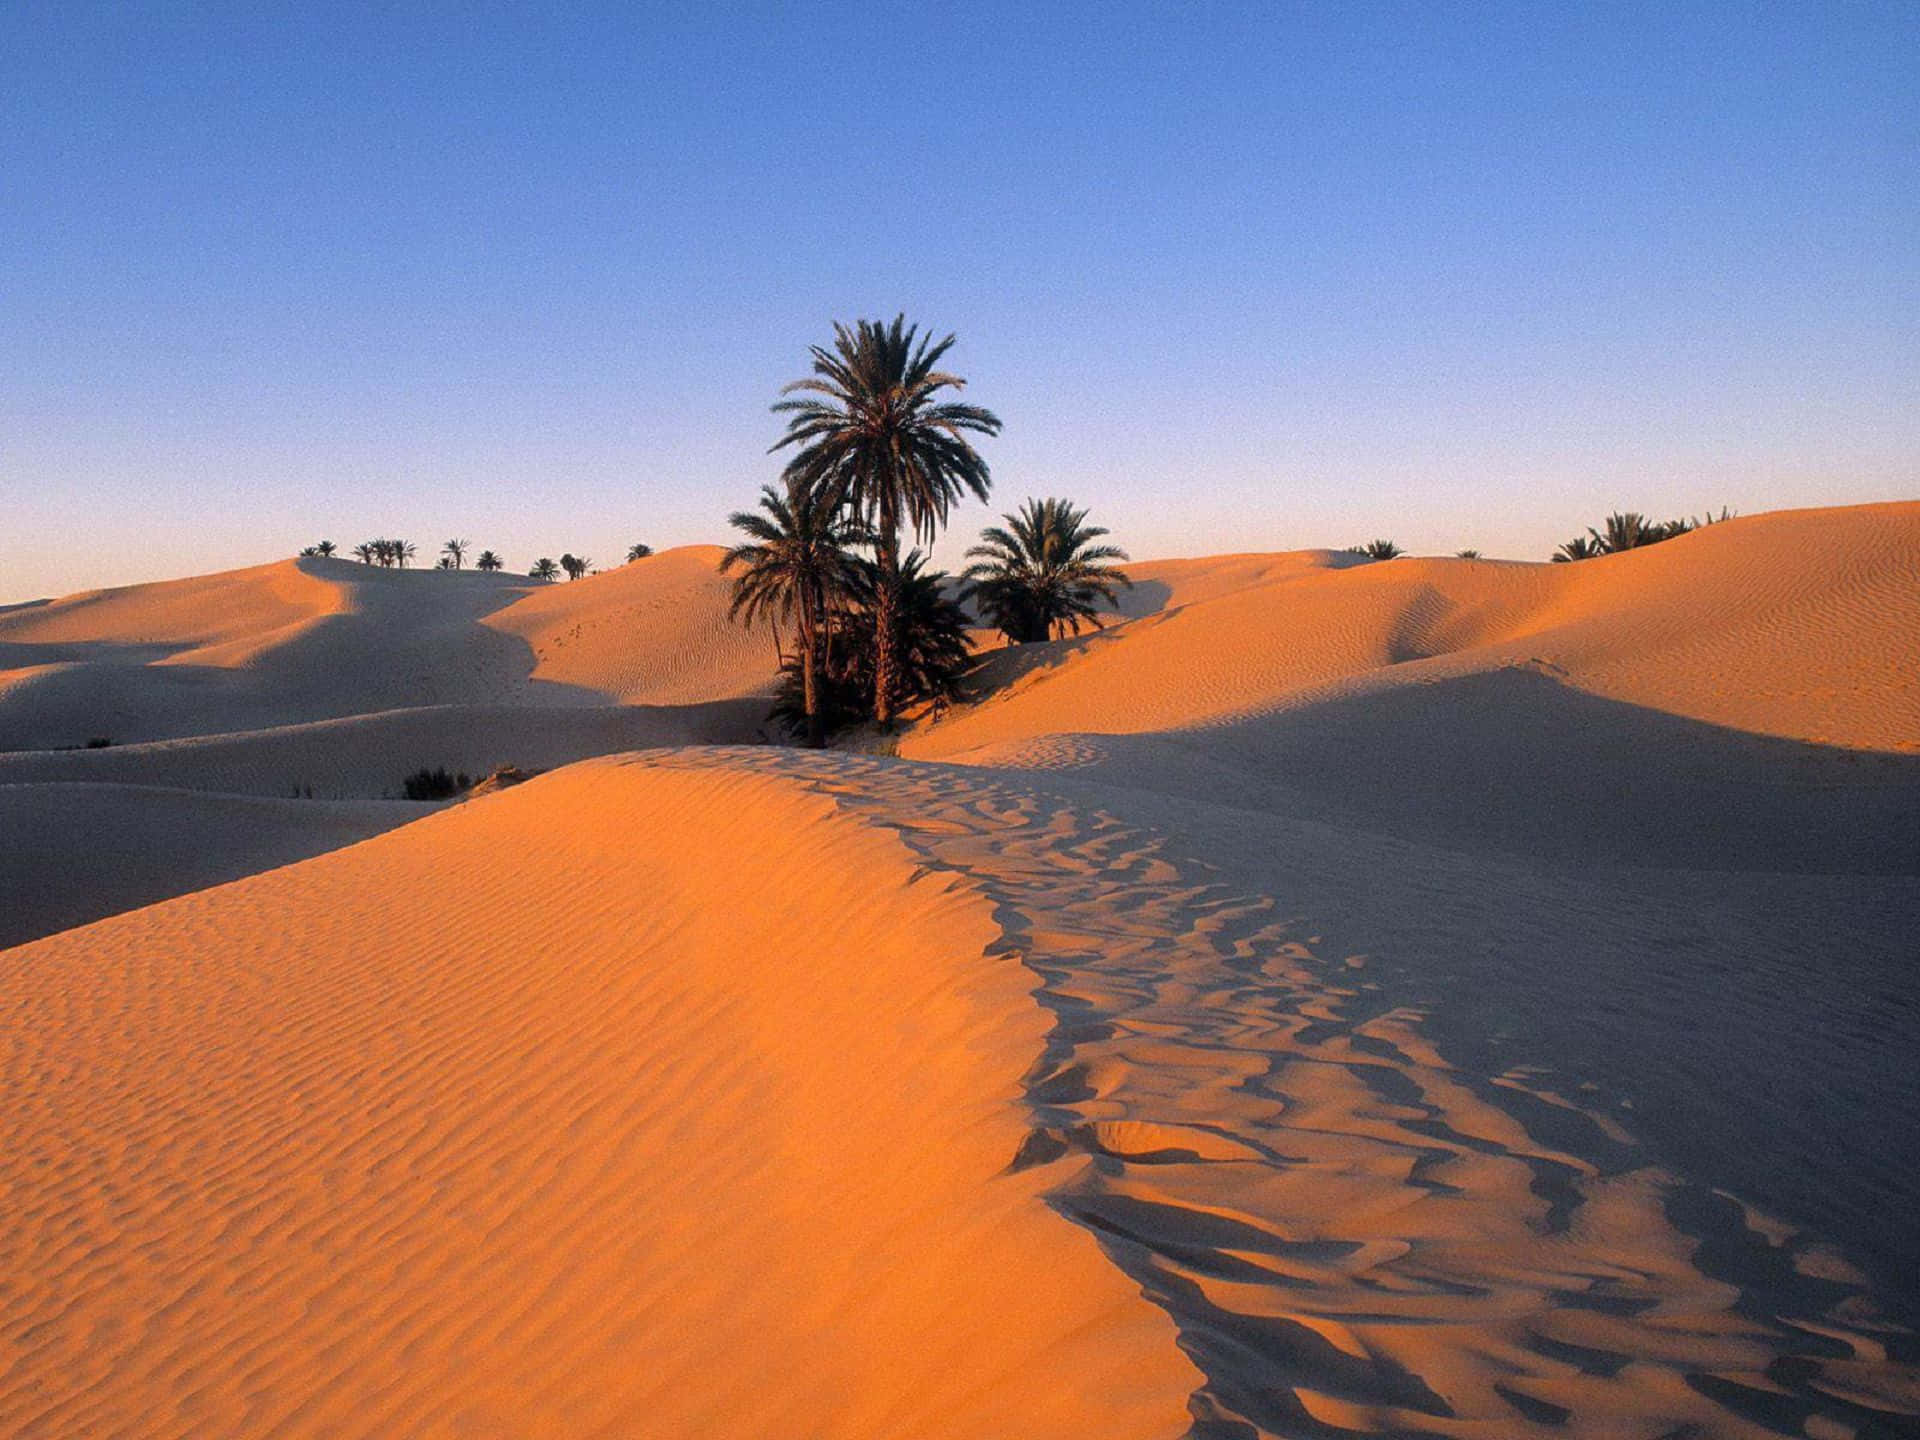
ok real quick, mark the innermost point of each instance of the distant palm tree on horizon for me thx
(488, 561)
(575, 565)
(1042, 570)
(878, 441)
(544, 569)
(456, 551)
(638, 552)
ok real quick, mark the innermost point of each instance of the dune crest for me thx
(666, 1104)
(1732, 625)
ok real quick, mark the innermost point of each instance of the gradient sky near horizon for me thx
(1237, 276)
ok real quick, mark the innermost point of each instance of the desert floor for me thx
(1432, 997)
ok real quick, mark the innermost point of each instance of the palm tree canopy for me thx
(544, 569)
(869, 430)
(1042, 570)
(638, 552)
(488, 561)
(795, 556)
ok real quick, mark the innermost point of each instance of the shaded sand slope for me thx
(304, 640)
(1359, 1234)
(369, 756)
(74, 853)
(1745, 697)
(1797, 625)
(624, 1103)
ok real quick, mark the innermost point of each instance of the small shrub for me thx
(1379, 550)
(435, 784)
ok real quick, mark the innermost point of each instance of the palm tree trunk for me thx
(886, 628)
(810, 674)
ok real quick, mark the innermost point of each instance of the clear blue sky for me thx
(1238, 277)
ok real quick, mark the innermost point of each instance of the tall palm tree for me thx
(1042, 571)
(365, 552)
(575, 565)
(794, 566)
(403, 551)
(638, 552)
(325, 549)
(456, 551)
(544, 569)
(488, 561)
(872, 434)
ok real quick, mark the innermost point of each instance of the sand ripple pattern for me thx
(1353, 1236)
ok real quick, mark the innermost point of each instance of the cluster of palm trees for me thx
(880, 449)
(392, 554)
(1630, 530)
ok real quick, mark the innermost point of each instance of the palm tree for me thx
(1042, 571)
(638, 552)
(544, 569)
(488, 561)
(795, 566)
(1379, 550)
(1467, 554)
(307, 552)
(1630, 530)
(403, 551)
(934, 651)
(874, 436)
(445, 562)
(456, 551)
(324, 549)
(575, 565)
(364, 552)
(1580, 548)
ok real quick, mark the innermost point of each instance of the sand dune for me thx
(599, 1134)
(305, 640)
(1743, 698)
(71, 853)
(1434, 997)
(1734, 626)
(369, 756)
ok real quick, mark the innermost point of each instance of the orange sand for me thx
(1442, 997)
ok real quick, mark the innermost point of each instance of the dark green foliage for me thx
(489, 561)
(1042, 572)
(1467, 554)
(544, 569)
(934, 653)
(1630, 530)
(575, 565)
(1378, 550)
(454, 552)
(638, 552)
(435, 784)
(795, 566)
(1578, 548)
(871, 434)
